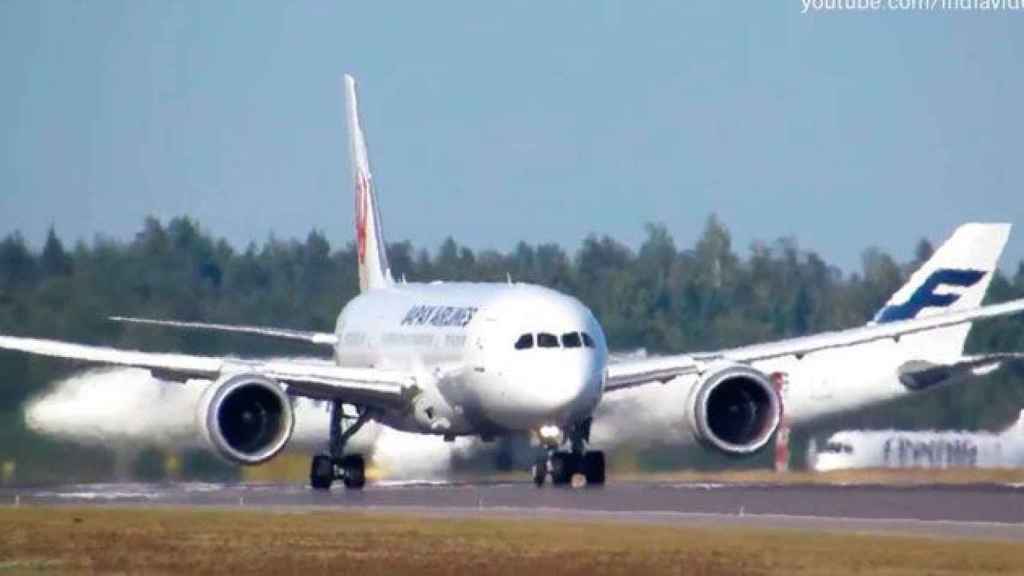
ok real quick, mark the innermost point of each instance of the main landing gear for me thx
(351, 468)
(561, 466)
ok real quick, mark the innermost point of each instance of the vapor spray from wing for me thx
(118, 408)
(125, 409)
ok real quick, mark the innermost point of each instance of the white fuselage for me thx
(460, 341)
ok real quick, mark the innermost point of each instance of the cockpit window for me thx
(545, 340)
(838, 448)
(587, 340)
(571, 340)
(525, 341)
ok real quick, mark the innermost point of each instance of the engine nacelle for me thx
(246, 418)
(734, 409)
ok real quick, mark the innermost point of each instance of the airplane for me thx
(487, 359)
(922, 449)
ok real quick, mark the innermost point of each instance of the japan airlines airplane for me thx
(455, 359)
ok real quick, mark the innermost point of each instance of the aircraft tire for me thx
(563, 466)
(540, 473)
(354, 471)
(593, 468)
(321, 473)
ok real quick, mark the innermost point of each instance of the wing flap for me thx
(370, 386)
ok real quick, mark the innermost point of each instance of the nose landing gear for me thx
(351, 468)
(561, 466)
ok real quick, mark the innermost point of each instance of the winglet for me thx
(372, 255)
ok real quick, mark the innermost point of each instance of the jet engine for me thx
(734, 409)
(246, 418)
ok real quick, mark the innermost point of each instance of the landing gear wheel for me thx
(321, 473)
(540, 472)
(353, 471)
(593, 468)
(563, 466)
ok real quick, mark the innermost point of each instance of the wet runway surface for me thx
(984, 511)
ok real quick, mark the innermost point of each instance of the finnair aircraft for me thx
(455, 359)
(937, 449)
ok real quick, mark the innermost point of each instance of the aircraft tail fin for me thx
(956, 277)
(371, 248)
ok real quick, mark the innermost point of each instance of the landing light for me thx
(550, 434)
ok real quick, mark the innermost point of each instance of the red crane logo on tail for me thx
(362, 209)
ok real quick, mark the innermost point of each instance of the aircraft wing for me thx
(368, 386)
(630, 373)
(322, 338)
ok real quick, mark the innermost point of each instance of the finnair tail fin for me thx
(956, 277)
(372, 251)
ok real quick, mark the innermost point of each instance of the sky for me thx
(495, 122)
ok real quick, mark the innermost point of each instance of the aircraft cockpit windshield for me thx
(525, 341)
(545, 340)
(838, 448)
(548, 340)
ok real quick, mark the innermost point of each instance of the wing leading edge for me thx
(320, 338)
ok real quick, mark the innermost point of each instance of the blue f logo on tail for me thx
(925, 296)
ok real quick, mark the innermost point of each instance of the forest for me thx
(659, 297)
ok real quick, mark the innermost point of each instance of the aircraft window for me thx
(525, 341)
(847, 448)
(587, 340)
(834, 447)
(545, 340)
(571, 340)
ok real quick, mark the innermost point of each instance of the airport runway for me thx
(983, 511)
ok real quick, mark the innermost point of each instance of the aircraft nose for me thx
(564, 387)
